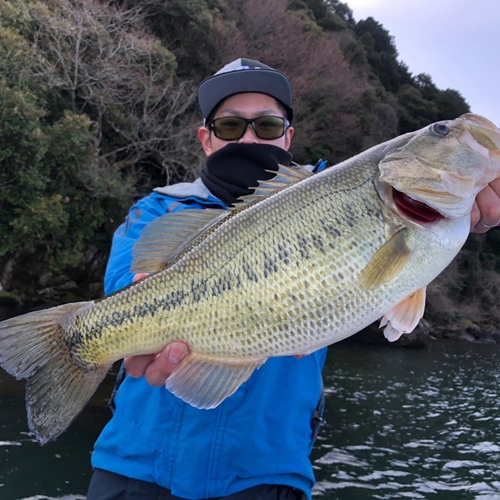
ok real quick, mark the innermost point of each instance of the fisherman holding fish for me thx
(257, 442)
(238, 294)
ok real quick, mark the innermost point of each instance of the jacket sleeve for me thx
(118, 273)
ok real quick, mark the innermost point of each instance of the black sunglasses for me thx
(232, 128)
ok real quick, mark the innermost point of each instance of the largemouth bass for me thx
(306, 261)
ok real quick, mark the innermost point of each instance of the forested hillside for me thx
(98, 106)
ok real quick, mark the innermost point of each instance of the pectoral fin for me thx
(404, 317)
(387, 262)
(205, 381)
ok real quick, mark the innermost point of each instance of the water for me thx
(410, 423)
(60, 470)
(401, 423)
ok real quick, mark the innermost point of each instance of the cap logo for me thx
(247, 67)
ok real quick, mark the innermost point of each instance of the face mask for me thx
(232, 170)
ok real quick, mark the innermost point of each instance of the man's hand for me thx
(486, 211)
(156, 367)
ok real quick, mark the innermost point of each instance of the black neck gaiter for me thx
(232, 170)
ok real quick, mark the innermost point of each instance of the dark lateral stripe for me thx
(196, 291)
(118, 317)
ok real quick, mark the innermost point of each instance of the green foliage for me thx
(375, 37)
(321, 14)
(415, 111)
(450, 104)
(45, 209)
(84, 96)
(342, 10)
(382, 55)
(186, 28)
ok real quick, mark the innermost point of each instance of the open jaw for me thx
(415, 210)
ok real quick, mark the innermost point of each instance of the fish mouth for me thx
(415, 210)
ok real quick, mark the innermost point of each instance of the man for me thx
(257, 442)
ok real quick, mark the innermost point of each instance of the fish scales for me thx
(234, 311)
(248, 259)
(246, 308)
(287, 274)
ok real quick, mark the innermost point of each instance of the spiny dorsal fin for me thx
(285, 177)
(167, 238)
(387, 262)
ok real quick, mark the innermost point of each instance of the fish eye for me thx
(440, 128)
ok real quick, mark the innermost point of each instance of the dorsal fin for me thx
(285, 177)
(167, 238)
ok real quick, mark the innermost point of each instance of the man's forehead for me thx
(237, 111)
(241, 103)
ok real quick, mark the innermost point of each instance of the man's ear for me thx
(288, 137)
(204, 136)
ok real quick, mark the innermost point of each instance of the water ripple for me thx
(410, 424)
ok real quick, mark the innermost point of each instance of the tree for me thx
(186, 28)
(415, 111)
(427, 88)
(323, 13)
(90, 114)
(450, 104)
(382, 55)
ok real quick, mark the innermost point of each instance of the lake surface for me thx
(411, 423)
(401, 423)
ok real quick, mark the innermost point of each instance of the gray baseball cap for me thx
(244, 75)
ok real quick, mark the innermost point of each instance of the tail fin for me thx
(32, 347)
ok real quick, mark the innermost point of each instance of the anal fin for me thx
(205, 381)
(404, 317)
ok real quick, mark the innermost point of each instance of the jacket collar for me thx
(187, 190)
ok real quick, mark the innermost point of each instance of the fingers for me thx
(165, 363)
(157, 367)
(136, 365)
(487, 208)
(475, 217)
(139, 276)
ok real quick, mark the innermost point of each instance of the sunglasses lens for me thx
(269, 127)
(230, 128)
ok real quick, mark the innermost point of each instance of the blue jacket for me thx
(262, 434)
